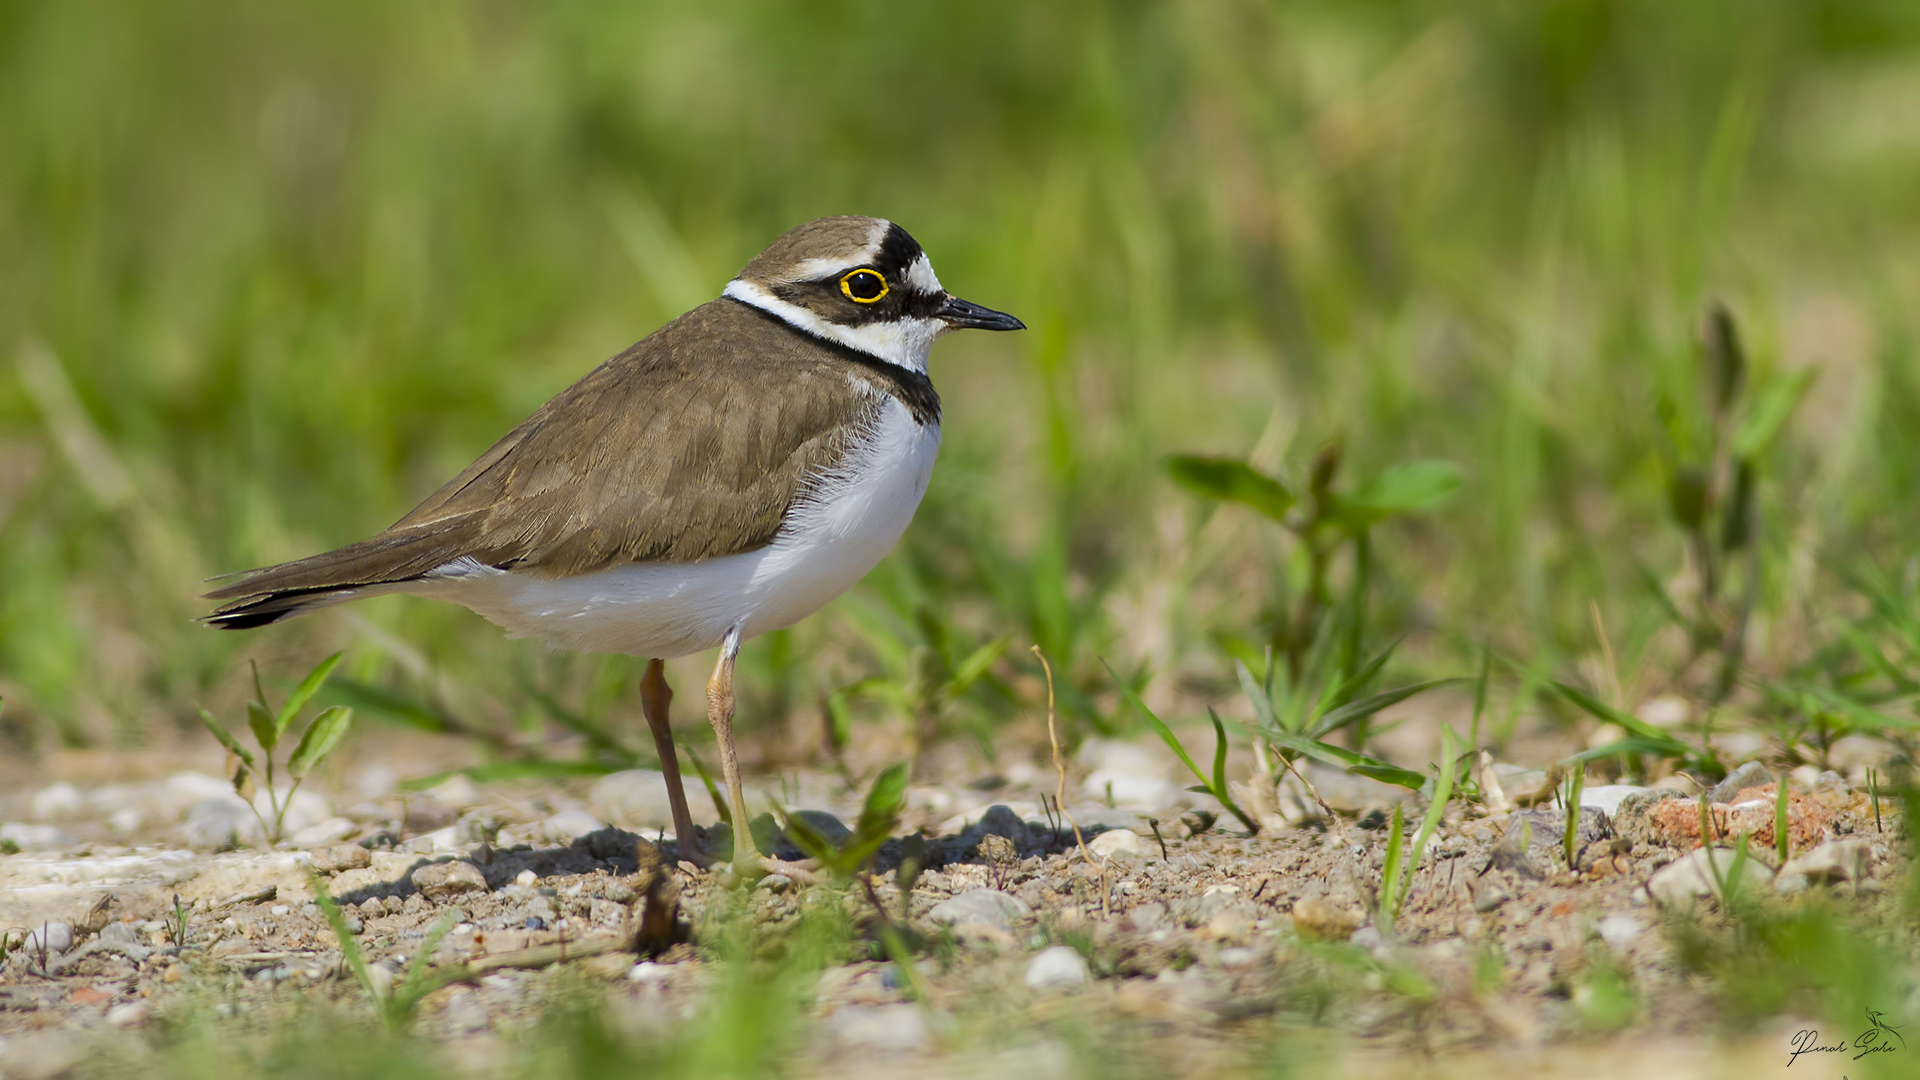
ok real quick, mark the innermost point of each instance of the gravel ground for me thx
(1180, 936)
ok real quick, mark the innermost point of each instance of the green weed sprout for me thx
(878, 818)
(1214, 784)
(1330, 522)
(319, 739)
(1396, 878)
(1570, 836)
(395, 1005)
(1780, 842)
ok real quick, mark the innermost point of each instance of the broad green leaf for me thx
(885, 798)
(1402, 489)
(1159, 726)
(261, 724)
(1367, 706)
(321, 737)
(305, 691)
(809, 840)
(1231, 481)
(1757, 429)
(226, 737)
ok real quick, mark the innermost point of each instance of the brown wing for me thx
(692, 444)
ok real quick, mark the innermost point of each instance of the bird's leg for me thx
(720, 712)
(655, 697)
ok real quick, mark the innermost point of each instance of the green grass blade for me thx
(1256, 696)
(1627, 721)
(1365, 707)
(1436, 808)
(1159, 726)
(1390, 869)
(349, 948)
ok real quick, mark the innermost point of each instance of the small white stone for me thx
(331, 831)
(568, 824)
(646, 971)
(56, 936)
(281, 909)
(1695, 875)
(1058, 968)
(1117, 842)
(1619, 931)
(133, 1012)
(57, 801)
(525, 879)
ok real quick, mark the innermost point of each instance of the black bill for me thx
(960, 313)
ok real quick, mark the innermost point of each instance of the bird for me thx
(725, 476)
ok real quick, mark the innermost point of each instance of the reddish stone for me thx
(1676, 822)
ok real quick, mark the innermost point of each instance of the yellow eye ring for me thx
(867, 279)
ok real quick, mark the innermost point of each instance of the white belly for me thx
(672, 609)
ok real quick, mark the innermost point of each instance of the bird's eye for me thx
(863, 286)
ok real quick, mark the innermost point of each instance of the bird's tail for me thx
(383, 564)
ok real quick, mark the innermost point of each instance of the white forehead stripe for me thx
(920, 277)
(902, 342)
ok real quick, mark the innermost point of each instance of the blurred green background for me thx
(269, 273)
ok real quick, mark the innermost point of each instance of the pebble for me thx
(57, 801)
(1058, 968)
(128, 1015)
(980, 906)
(1607, 797)
(1690, 877)
(1619, 931)
(562, 827)
(827, 825)
(646, 971)
(222, 821)
(525, 879)
(1752, 774)
(1117, 842)
(1316, 918)
(120, 933)
(637, 799)
(897, 1028)
(1836, 860)
(321, 833)
(34, 837)
(427, 814)
(436, 881)
(57, 937)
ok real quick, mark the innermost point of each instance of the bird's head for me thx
(862, 282)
